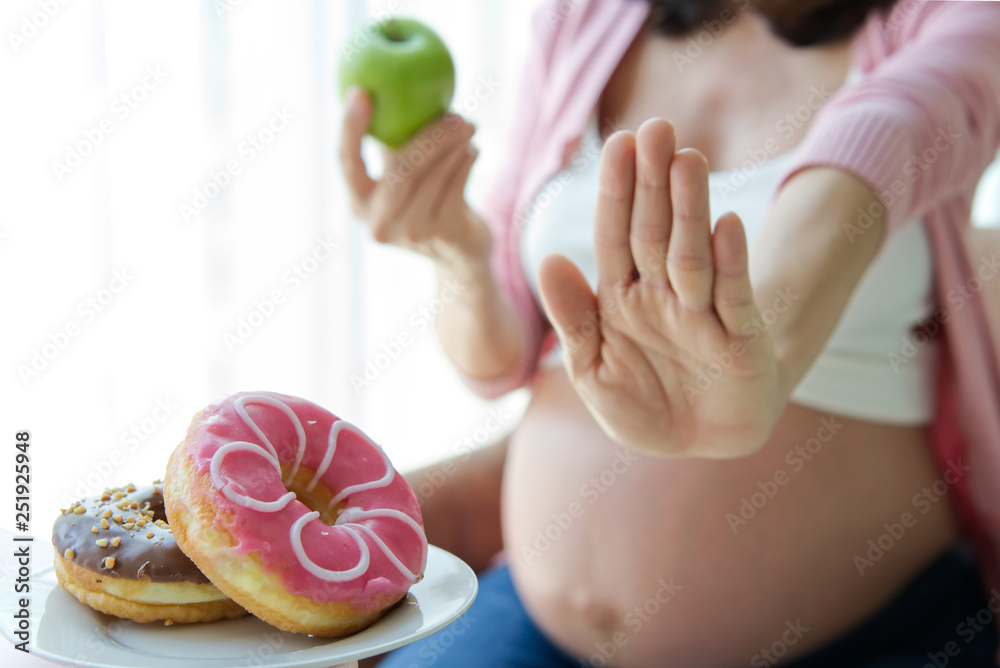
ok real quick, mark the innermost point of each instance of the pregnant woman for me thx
(741, 448)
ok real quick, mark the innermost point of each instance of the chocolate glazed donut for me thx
(116, 553)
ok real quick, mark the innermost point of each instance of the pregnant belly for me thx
(635, 561)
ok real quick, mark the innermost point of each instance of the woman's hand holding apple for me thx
(419, 202)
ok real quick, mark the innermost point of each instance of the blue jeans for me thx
(941, 619)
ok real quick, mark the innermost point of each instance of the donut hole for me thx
(318, 498)
(156, 505)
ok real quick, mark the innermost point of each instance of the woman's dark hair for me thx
(799, 22)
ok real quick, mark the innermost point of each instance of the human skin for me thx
(689, 464)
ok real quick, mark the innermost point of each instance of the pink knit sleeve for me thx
(499, 210)
(924, 123)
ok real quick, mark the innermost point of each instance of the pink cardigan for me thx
(930, 74)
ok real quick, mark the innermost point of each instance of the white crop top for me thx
(868, 369)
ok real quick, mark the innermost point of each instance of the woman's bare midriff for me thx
(635, 561)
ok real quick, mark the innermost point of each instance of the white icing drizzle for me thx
(346, 521)
(240, 406)
(384, 481)
(331, 448)
(232, 495)
(350, 516)
(323, 573)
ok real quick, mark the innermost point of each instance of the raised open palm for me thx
(665, 355)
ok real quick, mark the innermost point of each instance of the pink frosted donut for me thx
(294, 513)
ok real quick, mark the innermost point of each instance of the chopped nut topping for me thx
(94, 529)
(105, 497)
(79, 510)
(69, 554)
(149, 534)
(102, 542)
(158, 490)
(109, 562)
(130, 518)
(141, 522)
(116, 541)
(128, 526)
(104, 524)
(106, 514)
(130, 488)
(117, 518)
(168, 622)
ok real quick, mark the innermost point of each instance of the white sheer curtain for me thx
(173, 227)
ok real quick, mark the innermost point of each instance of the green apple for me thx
(407, 72)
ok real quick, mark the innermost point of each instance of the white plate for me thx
(66, 631)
